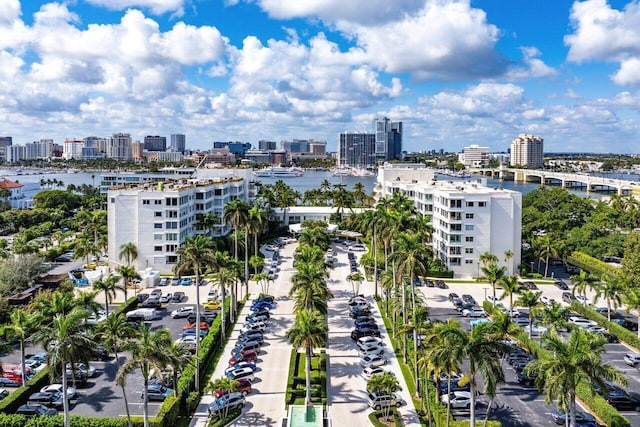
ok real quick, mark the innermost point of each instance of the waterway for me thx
(31, 178)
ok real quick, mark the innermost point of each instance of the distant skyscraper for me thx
(178, 142)
(119, 146)
(357, 150)
(388, 139)
(155, 143)
(266, 145)
(6, 141)
(527, 151)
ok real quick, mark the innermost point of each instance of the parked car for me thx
(227, 402)
(51, 399)
(10, 382)
(525, 379)
(455, 386)
(82, 368)
(243, 356)
(559, 416)
(72, 393)
(373, 360)
(244, 388)
(151, 302)
(157, 392)
(371, 351)
(473, 312)
(369, 340)
(177, 296)
(31, 410)
(457, 399)
(185, 282)
(248, 365)
(364, 332)
(367, 373)
(568, 297)
(3, 393)
(241, 373)
(468, 299)
(249, 345)
(165, 298)
(100, 353)
(183, 312)
(632, 359)
(377, 401)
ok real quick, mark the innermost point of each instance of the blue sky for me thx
(455, 72)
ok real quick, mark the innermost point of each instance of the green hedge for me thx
(373, 417)
(592, 265)
(232, 415)
(296, 381)
(19, 397)
(619, 331)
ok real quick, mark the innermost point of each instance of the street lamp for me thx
(485, 293)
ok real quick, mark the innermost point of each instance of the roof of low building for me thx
(7, 184)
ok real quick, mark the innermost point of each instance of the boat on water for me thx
(277, 172)
(341, 171)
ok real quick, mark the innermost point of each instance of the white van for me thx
(144, 314)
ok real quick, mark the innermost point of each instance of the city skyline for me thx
(455, 73)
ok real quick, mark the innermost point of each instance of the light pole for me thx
(485, 293)
(531, 267)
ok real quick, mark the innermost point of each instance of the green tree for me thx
(510, 287)
(66, 340)
(356, 280)
(128, 252)
(611, 289)
(20, 272)
(22, 325)
(555, 315)
(196, 254)
(109, 286)
(309, 331)
(147, 354)
(493, 274)
(128, 274)
(114, 332)
(530, 300)
(385, 383)
(631, 299)
(581, 283)
(576, 360)
(631, 260)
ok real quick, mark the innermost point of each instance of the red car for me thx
(203, 326)
(244, 387)
(243, 356)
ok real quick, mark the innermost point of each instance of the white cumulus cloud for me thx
(157, 7)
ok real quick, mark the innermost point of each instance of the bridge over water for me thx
(585, 182)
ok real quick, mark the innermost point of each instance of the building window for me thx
(157, 214)
(468, 227)
(468, 250)
(146, 202)
(172, 259)
(468, 239)
(172, 225)
(157, 237)
(157, 248)
(468, 215)
(482, 204)
(469, 204)
(157, 225)
(172, 214)
(172, 237)
(158, 260)
(112, 200)
(171, 248)
(468, 261)
(157, 202)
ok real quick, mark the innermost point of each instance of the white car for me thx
(596, 329)
(473, 312)
(546, 300)
(365, 340)
(183, 312)
(373, 360)
(72, 393)
(34, 365)
(581, 321)
(583, 300)
(89, 371)
(536, 329)
(512, 313)
(632, 359)
(457, 399)
(94, 319)
(367, 373)
(371, 350)
(165, 298)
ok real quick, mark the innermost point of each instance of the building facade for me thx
(388, 136)
(468, 218)
(474, 156)
(155, 143)
(119, 146)
(158, 217)
(527, 151)
(72, 149)
(178, 142)
(357, 150)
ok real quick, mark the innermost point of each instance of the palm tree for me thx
(208, 222)
(128, 274)
(237, 213)
(177, 357)
(384, 383)
(109, 286)
(492, 273)
(114, 332)
(611, 288)
(22, 324)
(128, 252)
(530, 300)
(510, 286)
(488, 258)
(225, 384)
(581, 283)
(196, 253)
(225, 277)
(256, 262)
(257, 222)
(66, 341)
(356, 280)
(545, 243)
(578, 359)
(555, 315)
(309, 331)
(83, 248)
(147, 354)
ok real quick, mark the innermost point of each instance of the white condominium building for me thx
(474, 156)
(158, 217)
(468, 218)
(527, 151)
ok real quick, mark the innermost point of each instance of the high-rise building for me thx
(468, 218)
(155, 143)
(388, 136)
(6, 141)
(357, 150)
(266, 145)
(527, 151)
(158, 217)
(474, 156)
(137, 150)
(72, 148)
(119, 147)
(178, 141)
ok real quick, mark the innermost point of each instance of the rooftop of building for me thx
(179, 185)
(7, 184)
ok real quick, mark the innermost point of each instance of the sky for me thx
(455, 72)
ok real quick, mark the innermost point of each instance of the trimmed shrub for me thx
(592, 265)
(19, 397)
